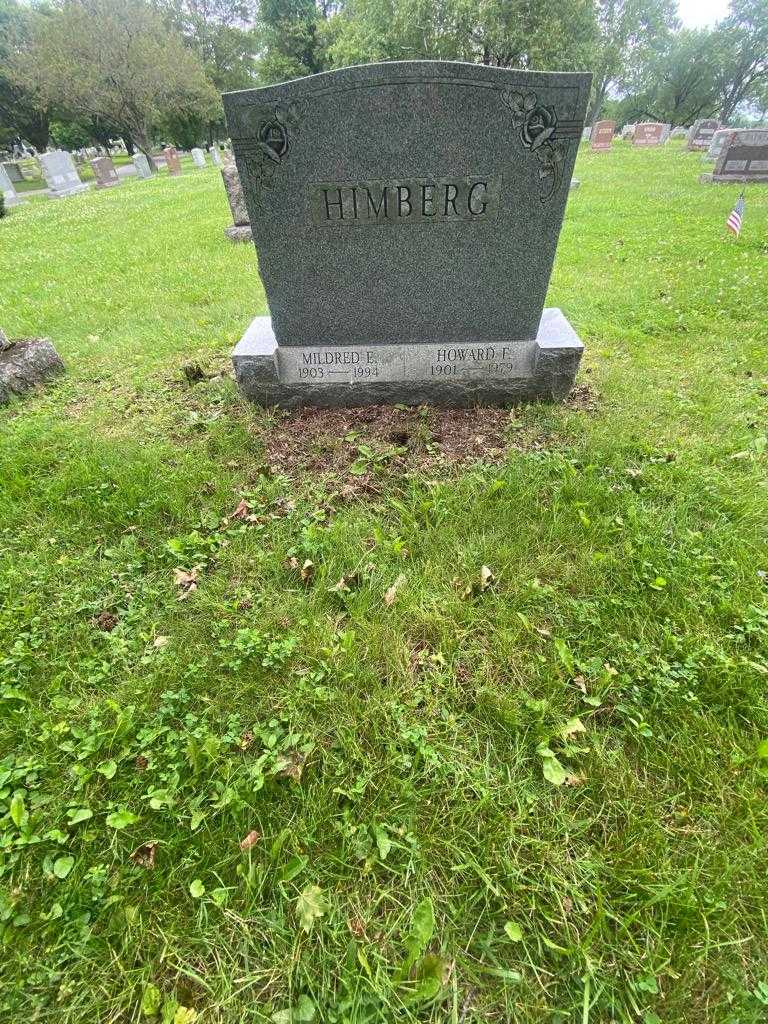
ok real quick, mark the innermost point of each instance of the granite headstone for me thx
(8, 191)
(240, 230)
(106, 174)
(717, 143)
(647, 133)
(141, 163)
(406, 217)
(666, 131)
(743, 158)
(172, 161)
(216, 156)
(13, 171)
(198, 157)
(602, 136)
(586, 135)
(61, 174)
(627, 132)
(700, 133)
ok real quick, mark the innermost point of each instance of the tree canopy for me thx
(155, 69)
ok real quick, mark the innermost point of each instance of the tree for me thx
(115, 62)
(292, 38)
(743, 55)
(222, 33)
(504, 33)
(22, 114)
(627, 30)
(676, 83)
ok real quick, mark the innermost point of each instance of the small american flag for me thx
(734, 221)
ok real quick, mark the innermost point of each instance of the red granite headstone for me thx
(172, 161)
(602, 136)
(648, 133)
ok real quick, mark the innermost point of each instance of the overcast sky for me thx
(697, 13)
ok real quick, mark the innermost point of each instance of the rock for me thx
(25, 363)
(239, 233)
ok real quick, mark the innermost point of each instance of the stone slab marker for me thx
(700, 133)
(13, 171)
(743, 158)
(648, 133)
(586, 135)
(61, 174)
(628, 131)
(143, 169)
(104, 169)
(406, 218)
(6, 187)
(172, 161)
(216, 156)
(666, 131)
(602, 136)
(240, 231)
(198, 157)
(717, 143)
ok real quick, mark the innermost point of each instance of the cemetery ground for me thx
(398, 715)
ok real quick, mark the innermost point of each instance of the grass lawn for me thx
(535, 797)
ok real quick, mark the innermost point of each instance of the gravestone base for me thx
(239, 233)
(63, 193)
(25, 363)
(444, 373)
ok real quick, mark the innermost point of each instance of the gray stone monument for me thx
(216, 156)
(61, 174)
(717, 143)
(406, 217)
(104, 169)
(6, 187)
(240, 230)
(25, 363)
(586, 135)
(143, 169)
(666, 131)
(198, 157)
(743, 158)
(700, 133)
(627, 132)
(13, 171)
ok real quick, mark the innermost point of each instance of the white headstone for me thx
(216, 156)
(6, 187)
(140, 162)
(199, 157)
(60, 174)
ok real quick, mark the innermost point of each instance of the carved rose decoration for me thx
(537, 125)
(272, 144)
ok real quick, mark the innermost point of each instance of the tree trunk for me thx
(36, 131)
(141, 140)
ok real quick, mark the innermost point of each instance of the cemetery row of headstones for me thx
(62, 178)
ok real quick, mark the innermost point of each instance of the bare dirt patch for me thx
(361, 447)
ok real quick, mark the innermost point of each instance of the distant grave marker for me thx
(717, 143)
(61, 174)
(743, 158)
(198, 157)
(216, 156)
(172, 161)
(700, 133)
(240, 231)
(6, 187)
(106, 174)
(648, 133)
(602, 136)
(141, 163)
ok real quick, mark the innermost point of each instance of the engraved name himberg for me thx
(404, 201)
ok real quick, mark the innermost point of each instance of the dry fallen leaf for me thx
(141, 763)
(242, 510)
(292, 765)
(161, 641)
(144, 855)
(250, 840)
(307, 571)
(391, 593)
(487, 578)
(186, 581)
(581, 684)
(573, 780)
